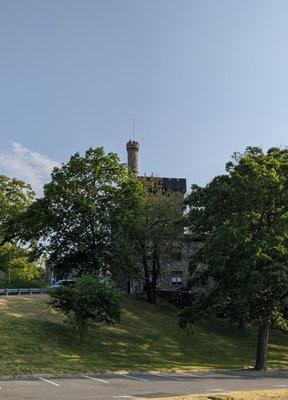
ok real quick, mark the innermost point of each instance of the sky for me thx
(202, 78)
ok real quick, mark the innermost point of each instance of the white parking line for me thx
(46, 380)
(214, 390)
(95, 379)
(135, 377)
(280, 385)
(169, 377)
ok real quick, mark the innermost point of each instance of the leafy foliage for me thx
(156, 226)
(83, 205)
(243, 219)
(89, 302)
(16, 283)
(15, 198)
(16, 262)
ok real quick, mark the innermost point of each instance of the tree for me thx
(89, 302)
(78, 217)
(17, 262)
(15, 198)
(155, 228)
(243, 220)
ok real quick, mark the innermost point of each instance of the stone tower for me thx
(133, 155)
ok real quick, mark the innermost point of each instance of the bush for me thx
(16, 283)
(178, 299)
(89, 302)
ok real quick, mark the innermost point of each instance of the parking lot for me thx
(137, 386)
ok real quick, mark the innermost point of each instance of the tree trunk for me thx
(241, 324)
(151, 290)
(262, 346)
(151, 296)
(155, 263)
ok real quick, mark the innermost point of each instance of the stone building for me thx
(175, 271)
(174, 184)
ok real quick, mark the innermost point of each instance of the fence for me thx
(21, 291)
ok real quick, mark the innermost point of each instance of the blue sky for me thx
(202, 78)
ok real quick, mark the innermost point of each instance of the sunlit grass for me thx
(259, 395)
(36, 339)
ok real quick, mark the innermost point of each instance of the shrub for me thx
(16, 283)
(178, 299)
(88, 302)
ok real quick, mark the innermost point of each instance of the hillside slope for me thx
(35, 339)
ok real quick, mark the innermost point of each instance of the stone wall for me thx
(174, 268)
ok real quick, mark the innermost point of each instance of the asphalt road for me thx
(135, 386)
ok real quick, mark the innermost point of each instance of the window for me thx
(176, 278)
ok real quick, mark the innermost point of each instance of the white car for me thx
(62, 283)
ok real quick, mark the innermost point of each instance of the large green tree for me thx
(15, 198)
(155, 228)
(78, 217)
(19, 265)
(242, 218)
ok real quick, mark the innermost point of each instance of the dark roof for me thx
(173, 184)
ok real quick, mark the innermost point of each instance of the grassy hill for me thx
(35, 339)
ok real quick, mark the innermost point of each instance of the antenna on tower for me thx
(133, 128)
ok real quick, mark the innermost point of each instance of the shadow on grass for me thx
(148, 338)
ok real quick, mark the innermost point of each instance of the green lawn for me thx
(34, 339)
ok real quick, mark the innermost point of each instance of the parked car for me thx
(63, 283)
(182, 289)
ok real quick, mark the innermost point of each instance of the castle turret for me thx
(133, 155)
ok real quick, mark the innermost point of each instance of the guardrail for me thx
(22, 291)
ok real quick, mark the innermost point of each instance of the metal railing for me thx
(22, 291)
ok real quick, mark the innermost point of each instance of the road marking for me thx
(123, 397)
(135, 377)
(169, 377)
(46, 380)
(95, 379)
(280, 385)
(214, 390)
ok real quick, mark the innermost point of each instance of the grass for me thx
(35, 339)
(259, 395)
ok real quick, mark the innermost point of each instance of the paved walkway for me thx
(140, 385)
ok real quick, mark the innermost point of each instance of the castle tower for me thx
(133, 155)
